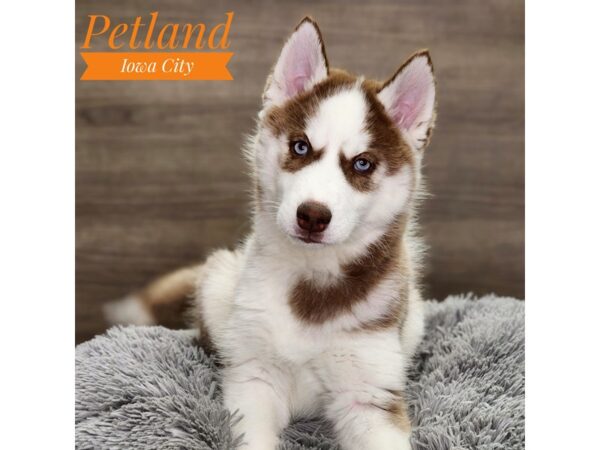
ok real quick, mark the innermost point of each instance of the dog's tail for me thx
(165, 301)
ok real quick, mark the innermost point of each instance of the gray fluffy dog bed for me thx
(149, 387)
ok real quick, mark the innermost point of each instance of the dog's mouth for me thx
(310, 238)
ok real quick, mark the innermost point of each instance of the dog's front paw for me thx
(390, 441)
(404, 443)
(267, 444)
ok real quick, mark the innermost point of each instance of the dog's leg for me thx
(368, 424)
(363, 376)
(257, 396)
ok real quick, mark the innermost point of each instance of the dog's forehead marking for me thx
(339, 123)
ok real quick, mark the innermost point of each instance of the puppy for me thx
(319, 311)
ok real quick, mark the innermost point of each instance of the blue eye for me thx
(300, 148)
(362, 165)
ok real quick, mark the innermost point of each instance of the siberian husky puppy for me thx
(319, 311)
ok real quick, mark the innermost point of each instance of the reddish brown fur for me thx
(399, 414)
(291, 117)
(172, 314)
(359, 181)
(293, 162)
(317, 304)
(386, 147)
(386, 142)
(396, 411)
(169, 297)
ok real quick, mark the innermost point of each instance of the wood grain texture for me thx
(161, 182)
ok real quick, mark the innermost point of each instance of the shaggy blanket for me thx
(150, 388)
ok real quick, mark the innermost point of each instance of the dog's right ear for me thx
(301, 64)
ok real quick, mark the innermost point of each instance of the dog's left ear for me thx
(409, 98)
(301, 64)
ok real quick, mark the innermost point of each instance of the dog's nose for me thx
(313, 216)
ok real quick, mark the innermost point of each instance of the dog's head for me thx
(337, 157)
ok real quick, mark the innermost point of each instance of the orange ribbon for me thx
(156, 66)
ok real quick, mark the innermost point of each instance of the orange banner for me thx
(156, 66)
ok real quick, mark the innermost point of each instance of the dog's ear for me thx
(301, 64)
(409, 98)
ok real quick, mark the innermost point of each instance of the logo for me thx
(145, 50)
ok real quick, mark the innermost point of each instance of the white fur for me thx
(127, 310)
(215, 287)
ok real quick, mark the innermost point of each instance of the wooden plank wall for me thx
(160, 179)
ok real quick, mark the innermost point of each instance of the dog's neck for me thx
(327, 281)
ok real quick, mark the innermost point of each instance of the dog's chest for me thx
(267, 321)
(264, 311)
(292, 339)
